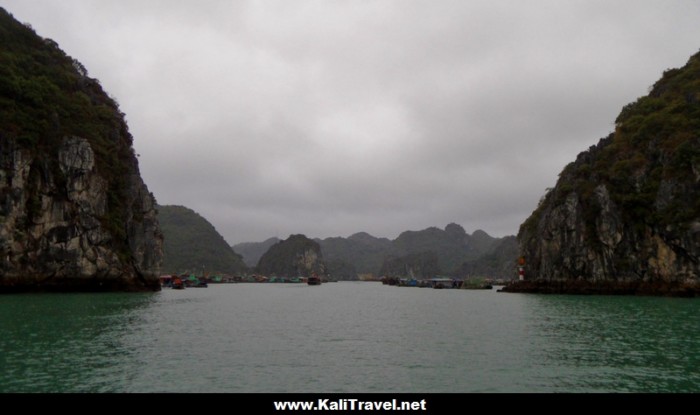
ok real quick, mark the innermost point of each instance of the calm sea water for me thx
(346, 337)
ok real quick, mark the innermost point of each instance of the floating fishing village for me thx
(183, 281)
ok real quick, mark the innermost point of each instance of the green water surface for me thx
(346, 337)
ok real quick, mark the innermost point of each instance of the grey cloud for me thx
(333, 117)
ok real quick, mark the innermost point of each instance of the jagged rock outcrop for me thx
(625, 216)
(74, 212)
(295, 256)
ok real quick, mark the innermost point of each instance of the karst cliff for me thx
(75, 214)
(624, 217)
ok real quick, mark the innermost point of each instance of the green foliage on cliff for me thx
(452, 252)
(362, 251)
(499, 261)
(658, 136)
(453, 248)
(192, 244)
(419, 265)
(46, 95)
(341, 271)
(656, 140)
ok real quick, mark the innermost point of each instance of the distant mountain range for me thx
(425, 253)
(192, 244)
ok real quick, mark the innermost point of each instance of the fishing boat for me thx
(314, 280)
(177, 284)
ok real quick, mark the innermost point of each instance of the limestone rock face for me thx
(74, 212)
(625, 216)
(52, 232)
(295, 256)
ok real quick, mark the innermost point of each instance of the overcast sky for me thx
(329, 117)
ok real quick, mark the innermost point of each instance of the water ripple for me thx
(347, 337)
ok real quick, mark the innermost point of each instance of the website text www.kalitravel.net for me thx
(350, 405)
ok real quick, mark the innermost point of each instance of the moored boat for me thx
(177, 284)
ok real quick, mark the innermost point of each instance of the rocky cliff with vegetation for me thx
(625, 216)
(193, 245)
(360, 253)
(450, 252)
(74, 212)
(419, 265)
(458, 252)
(295, 256)
(499, 261)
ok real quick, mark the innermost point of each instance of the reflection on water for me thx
(346, 337)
